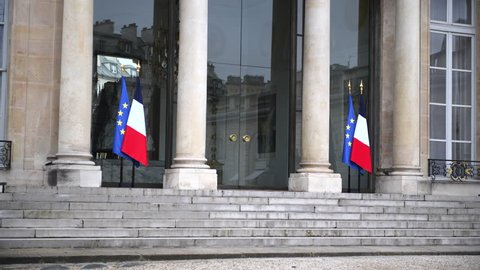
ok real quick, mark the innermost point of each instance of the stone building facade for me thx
(274, 120)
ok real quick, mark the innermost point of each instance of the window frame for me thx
(452, 30)
(4, 71)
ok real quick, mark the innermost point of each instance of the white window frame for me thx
(4, 72)
(450, 30)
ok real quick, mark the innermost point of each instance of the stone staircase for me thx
(70, 217)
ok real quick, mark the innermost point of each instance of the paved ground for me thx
(349, 262)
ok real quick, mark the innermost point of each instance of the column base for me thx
(74, 175)
(187, 178)
(403, 184)
(315, 182)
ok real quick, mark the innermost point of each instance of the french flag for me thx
(135, 140)
(361, 145)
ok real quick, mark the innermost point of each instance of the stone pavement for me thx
(339, 262)
(463, 257)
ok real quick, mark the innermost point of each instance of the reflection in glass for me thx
(438, 47)
(257, 32)
(131, 39)
(461, 123)
(461, 151)
(438, 10)
(462, 11)
(248, 86)
(2, 10)
(438, 86)
(437, 149)
(349, 54)
(462, 52)
(1, 44)
(300, 17)
(461, 88)
(223, 28)
(437, 122)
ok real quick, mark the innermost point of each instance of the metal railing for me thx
(5, 154)
(455, 170)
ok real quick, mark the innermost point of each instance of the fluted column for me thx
(73, 165)
(406, 176)
(315, 173)
(189, 170)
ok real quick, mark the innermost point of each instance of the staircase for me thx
(70, 217)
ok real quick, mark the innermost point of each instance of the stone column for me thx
(406, 176)
(189, 170)
(315, 174)
(73, 165)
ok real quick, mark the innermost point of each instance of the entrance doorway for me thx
(249, 60)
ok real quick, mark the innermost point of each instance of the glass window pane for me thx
(462, 52)
(257, 32)
(461, 123)
(437, 122)
(438, 86)
(438, 10)
(1, 46)
(438, 45)
(299, 54)
(224, 31)
(462, 151)
(349, 34)
(462, 11)
(437, 150)
(462, 87)
(2, 10)
(300, 17)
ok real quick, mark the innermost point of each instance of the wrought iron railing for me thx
(5, 154)
(455, 170)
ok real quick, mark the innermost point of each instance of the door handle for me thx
(233, 137)
(246, 138)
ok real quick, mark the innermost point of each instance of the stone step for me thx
(182, 242)
(119, 217)
(169, 210)
(27, 198)
(103, 219)
(137, 192)
(228, 232)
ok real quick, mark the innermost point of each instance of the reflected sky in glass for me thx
(124, 12)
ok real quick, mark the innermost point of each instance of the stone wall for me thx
(34, 82)
(387, 76)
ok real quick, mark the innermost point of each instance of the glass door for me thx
(248, 90)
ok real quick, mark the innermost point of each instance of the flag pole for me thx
(358, 182)
(361, 94)
(121, 172)
(133, 174)
(349, 172)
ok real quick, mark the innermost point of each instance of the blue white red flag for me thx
(135, 141)
(348, 136)
(361, 142)
(121, 119)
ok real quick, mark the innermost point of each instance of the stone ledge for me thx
(66, 255)
(315, 182)
(456, 188)
(190, 179)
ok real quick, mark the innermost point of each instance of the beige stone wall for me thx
(34, 79)
(424, 84)
(387, 76)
